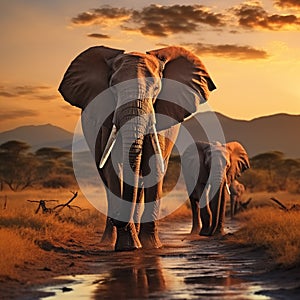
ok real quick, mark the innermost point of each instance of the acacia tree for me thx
(18, 167)
(56, 167)
(48, 166)
(293, 181)
(285, 171)
(280, 172)
(268, 161)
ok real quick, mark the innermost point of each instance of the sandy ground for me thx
(185, 268)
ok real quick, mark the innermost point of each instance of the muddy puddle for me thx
(184, 269)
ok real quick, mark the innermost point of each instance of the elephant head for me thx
(237, 190)
(226, 163)
(219, 166)
(138, 86)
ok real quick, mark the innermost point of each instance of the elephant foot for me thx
(137, 227)
(195, 230)
(149, 236)
(110, 234)
(220, 231)
(205, 231)
(127, 238)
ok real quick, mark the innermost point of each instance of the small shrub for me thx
(59, 181)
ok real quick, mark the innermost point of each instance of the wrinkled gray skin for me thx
(237, 190)
(208, 203)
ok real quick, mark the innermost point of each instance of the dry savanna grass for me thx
(266, 226)
(24, 235)
(15, 251)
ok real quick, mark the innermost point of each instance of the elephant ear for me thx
(185, 84)
(87, 76)
(239, 161)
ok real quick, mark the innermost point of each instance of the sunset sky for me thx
(251, 49)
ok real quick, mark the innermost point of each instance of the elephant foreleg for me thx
(153, 182)
(148, 231)
(205, 213)
(220, 225)
(109, 234)
(215, 211)
(113, 194)
(195, 215)
(138, 209)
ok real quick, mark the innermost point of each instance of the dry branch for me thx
(294, 207)
(58, 208)
(42, 204)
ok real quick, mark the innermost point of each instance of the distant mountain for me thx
(39, 136)
(276, 132)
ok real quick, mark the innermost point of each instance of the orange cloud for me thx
(229, 51)
(287, 3)
(16, 114)
(254, 16)
(163, 21)
(101, 15)
(29, 91)
(154, 20)
(157, 20)
(98, 36)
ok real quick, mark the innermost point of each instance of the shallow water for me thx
(183, 269)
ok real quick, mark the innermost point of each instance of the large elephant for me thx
(208, 186)
(143, 88)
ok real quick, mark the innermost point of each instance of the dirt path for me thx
(186, 268)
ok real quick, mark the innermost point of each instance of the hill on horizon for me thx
(39, 136)
(268, 133)
(263, 134)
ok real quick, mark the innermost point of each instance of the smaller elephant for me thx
(237, 190)
(208, 186)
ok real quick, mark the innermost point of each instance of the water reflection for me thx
(142, 278)
(183, 269)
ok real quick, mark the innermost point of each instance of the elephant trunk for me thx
(217, 186)
(211, 212)
(133, 123)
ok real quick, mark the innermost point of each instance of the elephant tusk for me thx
(157, 149)
(109, 145)
(208, 190)
(227, 187)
